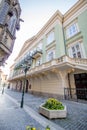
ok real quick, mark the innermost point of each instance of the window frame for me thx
(74, 54)
(38, 61)
(50, 56)
(50, 37)
(72, 30)
(39, 46)
(12, 23)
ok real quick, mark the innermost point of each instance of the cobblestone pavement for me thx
(13, 117)
(77, 112)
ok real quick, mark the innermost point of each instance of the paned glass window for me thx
(75, 51)
(39, 46)
(12, 23)
(72, 30)
(50, 37)
(38, 61)
(50, 55)
(3, 12)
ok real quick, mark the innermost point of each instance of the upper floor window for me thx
(50, 55)
(72, 30)
(50, 37)
(12, 23)
(76, 51)
(3, 12)
(40, 46)
(38, 61)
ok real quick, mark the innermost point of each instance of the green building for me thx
(59, 57)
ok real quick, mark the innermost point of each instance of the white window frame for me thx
(50, 37)
(72, 53)
(40, 46)
(72, 30)
(38, 61)
(49, 53)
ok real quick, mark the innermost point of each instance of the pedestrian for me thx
(3, 88)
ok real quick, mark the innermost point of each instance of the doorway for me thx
(81, 85)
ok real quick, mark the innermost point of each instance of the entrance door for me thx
(81, 85)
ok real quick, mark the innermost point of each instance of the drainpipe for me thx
(64, 38)
(69, 85)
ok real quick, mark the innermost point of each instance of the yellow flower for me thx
(33, 128)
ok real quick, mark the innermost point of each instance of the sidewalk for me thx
(76, 118)
(11, 108)
(38, 118)
(12, 117)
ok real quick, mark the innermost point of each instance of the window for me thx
(38, 61)
(72, 30)
(12, 23)
(39, 46)
(50, 55)
(3, 12)
(50, 37)
(75, 51)
(31, 52)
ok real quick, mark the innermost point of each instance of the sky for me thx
(35, 14)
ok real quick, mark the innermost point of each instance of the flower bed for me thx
(52, 108)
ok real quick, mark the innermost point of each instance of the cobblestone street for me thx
(12, 117)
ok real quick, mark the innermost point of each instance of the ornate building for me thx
(59, 57)
(9, 22)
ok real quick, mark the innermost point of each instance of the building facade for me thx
(3, 80)
(9, 22)
(59, 57)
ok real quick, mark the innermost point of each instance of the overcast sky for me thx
(35, 14)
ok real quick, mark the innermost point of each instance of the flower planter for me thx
(53, 113)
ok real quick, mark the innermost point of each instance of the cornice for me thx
(25, 47)
(74, 9)
(57, 16)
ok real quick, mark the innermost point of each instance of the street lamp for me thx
(25, 67)
(25, 64)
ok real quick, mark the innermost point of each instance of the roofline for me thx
(78, 5)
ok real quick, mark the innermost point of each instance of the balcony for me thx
(37, 53)
(62, 63)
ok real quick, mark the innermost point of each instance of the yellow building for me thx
(59, 57)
